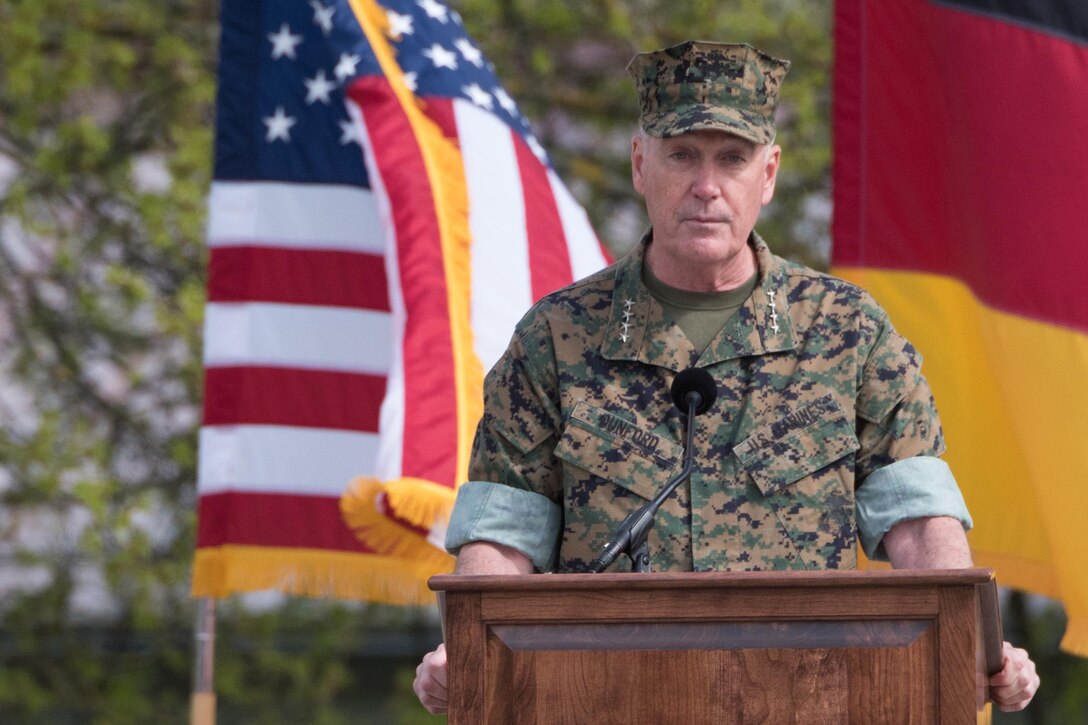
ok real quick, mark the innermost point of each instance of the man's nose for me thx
(705, 184)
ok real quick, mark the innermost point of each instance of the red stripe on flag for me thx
(298, 277)
(382, 504)
(972, 169)
(549, 258)
(430, 393)
(274, 519)
(292, 396)
(440, 110)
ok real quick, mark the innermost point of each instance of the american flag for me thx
(381, 216)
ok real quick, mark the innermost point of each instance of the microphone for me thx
(694, 382)
(693, 391)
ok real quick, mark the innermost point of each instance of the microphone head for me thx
(694, 381)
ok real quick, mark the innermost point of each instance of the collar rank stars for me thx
(773, 310)
(627, 305)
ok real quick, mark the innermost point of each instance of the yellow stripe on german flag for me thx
(1013, 395)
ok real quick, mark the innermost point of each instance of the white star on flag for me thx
(478, 96)
(441, 57)
(279, 126)
(470, 52)
(284, 43)
(345, 68)
(435, 10)
(505, 101)
(412, 81)
(323, 16)
(318, 88)
(349, 133)
(536, 148)
(399, 24)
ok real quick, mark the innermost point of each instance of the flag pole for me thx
(202, 702)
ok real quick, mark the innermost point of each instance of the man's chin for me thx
(708, 245)
(710, 250)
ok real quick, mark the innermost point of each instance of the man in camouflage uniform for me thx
(823, 432)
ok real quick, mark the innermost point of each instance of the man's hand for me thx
(477, 557)
(939, 543)
(430, 682)
(1013, 687)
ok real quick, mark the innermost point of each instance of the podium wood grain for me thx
(809, 647)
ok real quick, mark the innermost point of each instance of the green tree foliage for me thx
(106, 117)
(105, 148)
(565, 64)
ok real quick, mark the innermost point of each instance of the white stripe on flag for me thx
(585, 251)
(306, 216)
(501, 282)
(301, 336)
(282, 459)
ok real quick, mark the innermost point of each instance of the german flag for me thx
(961, 203)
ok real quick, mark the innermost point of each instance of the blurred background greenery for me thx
(106, 136)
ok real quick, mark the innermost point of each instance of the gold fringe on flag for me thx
(224, 570)
(395, 519)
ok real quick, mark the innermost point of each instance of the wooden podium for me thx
(753, 647)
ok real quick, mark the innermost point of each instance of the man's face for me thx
(703, 192)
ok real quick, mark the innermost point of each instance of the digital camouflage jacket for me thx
(816, 392)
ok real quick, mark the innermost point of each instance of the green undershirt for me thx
(699, 315)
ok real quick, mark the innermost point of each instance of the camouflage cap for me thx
(699, 85)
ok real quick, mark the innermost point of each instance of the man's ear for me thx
(774, 156)
(638, 154)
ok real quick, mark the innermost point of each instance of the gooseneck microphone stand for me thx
(695, 388)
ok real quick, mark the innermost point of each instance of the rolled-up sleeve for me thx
(912, 488)
(520, 519)
(900, 474)
(512, 497)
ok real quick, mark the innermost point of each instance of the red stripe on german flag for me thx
(959, 152)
